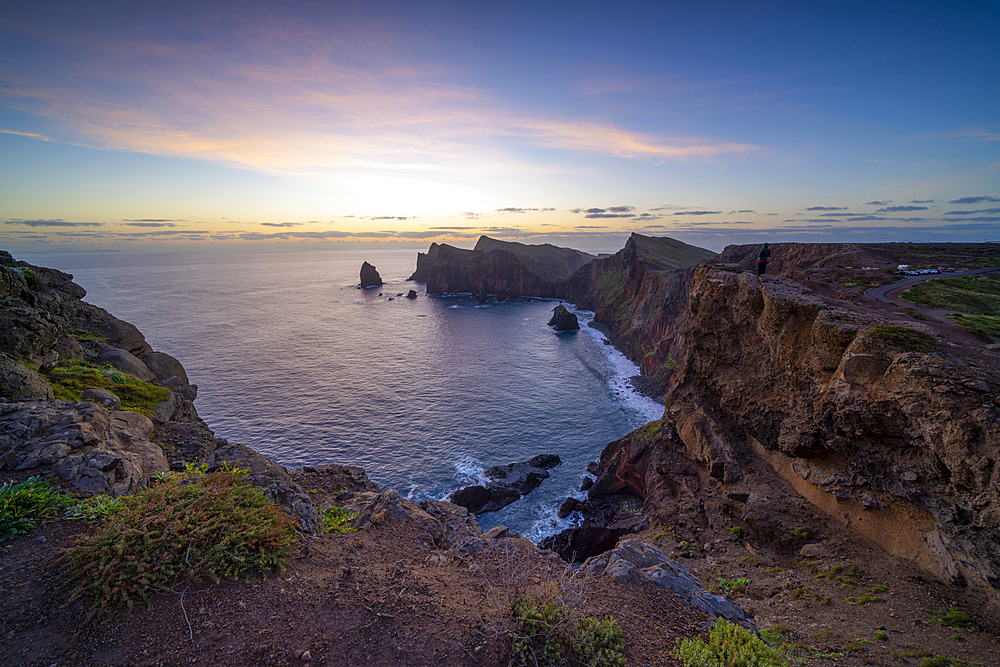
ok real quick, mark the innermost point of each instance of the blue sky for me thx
(147, 124)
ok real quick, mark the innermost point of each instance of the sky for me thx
(146, 125)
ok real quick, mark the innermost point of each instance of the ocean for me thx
(291, 359)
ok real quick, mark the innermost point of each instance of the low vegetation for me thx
(984, 327)
(69, 379)
(23, 504)
(953, 618)
(729, 645)
(338, 520)
(978, 295)
(184, 527)
(906, 338)
(549, 633)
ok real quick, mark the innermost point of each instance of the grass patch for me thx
(728, 645)
(728, 586)
(22, 504)
(191, 525)
(339, 520)
(915, 314)
(845, 574)
(95, 508)
(909, 339)
(83, 336)
(985, 327)
(550, 633)
(864, 599)
(70, 378)
(978, 295)
(801, 533)
(953, 618)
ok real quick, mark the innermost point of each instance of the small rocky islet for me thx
(792, 433)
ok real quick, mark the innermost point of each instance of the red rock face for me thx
(901, 446)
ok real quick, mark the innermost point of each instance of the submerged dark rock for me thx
(370, 276)
(507, 484)
(563, 320)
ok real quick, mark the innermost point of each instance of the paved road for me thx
(882, 293)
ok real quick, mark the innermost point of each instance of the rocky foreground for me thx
(831, 488)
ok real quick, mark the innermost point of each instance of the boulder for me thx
(507, 484)
(370, 276)
(163, 366)
(412, 294)
(17, 381)
(459, 524)
(634, 560)
(379, 508)
(563, 320)
(103, 398)
(89, 448)
(119, 359)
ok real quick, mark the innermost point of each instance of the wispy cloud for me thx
(827, 208)
(298, 101)
(150, 224)
(52, 223)
(901, 209)
(975, 200)
(30, 135)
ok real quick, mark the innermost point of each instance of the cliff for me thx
(639, 294)
(892, 431)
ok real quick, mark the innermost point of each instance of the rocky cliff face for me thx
(90, 448)
(499, 268)
(897, 444)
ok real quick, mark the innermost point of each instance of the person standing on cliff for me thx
(765, 254)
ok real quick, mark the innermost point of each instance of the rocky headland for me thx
(832, 485)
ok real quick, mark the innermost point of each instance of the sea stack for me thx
(563, 320)
(370, 276)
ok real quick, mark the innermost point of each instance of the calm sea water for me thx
(294, 361)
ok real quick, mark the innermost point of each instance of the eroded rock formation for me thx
(498, 268)
(563, 320)
(370, 276)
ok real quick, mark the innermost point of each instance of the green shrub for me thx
(909, 339)
(953, 618)
(70, 378)
(338, 520)
(549, 633)
(776, 634)
(732, 585)
(200, 525)
(29, 275)
(95, 508)
(729, 645)
(23, 503)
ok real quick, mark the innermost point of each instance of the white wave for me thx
(639, 409)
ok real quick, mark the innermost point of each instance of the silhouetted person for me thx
(765, 254)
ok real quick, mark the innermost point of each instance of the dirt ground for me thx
(376, 597)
